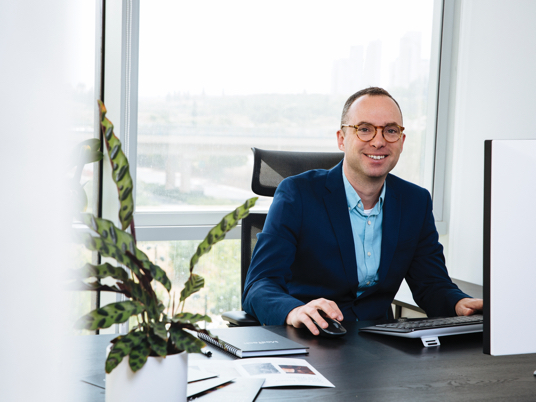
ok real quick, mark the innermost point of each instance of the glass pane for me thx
(220, 268)
(217, 78)
(82, 90)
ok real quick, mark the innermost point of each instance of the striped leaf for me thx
(92, 286)
(160, 275)
(109, 250)
(86, 152)
(102, 271)
(121, 173)
(110, 234)
(160, 330)
(218, 232)
(138, 293)
(185, 341)
(193, 284)
(114, 313)
(190, 318)
(138, 355)
(122, 347)
(158, 345)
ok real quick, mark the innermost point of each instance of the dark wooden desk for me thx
(369, 367)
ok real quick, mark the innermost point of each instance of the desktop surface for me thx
(370, 367)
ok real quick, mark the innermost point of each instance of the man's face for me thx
(373, 160)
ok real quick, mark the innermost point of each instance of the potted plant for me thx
(162, 336)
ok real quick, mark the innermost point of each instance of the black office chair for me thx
(269, 169)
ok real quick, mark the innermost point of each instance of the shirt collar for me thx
(354, 201)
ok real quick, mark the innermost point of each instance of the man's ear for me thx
(340, 139)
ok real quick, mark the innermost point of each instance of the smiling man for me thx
(342, 240)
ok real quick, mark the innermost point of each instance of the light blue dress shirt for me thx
(367, 231)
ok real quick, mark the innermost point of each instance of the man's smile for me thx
(376, 157)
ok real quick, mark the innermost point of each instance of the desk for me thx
(370, 367)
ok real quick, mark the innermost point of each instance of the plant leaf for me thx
(122, 347)
(193, 284)
(92, 286)
(111, 234)
(121, 173)
(114, 313)
(190, 318)
(158, 345)
(138, 355)
(219, 231)
(160, 330)
(159, 274)
(185, 341)
(78, 197)
(109, 250)
(101, 271)
(138, 293)
(125, 241)
(86, 152)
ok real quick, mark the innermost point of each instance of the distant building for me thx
(373, 64)
(357, 71)
(409, 66)
(347, 75)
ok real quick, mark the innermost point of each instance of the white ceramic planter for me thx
(160, 379)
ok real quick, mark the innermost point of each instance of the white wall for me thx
(493, 96)
(34, 49)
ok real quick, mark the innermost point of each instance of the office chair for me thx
(269, 169)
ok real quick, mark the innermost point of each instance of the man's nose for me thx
(378, 141)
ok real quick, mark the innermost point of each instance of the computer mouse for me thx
(334, 328)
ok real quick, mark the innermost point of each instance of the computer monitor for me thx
(510, 247)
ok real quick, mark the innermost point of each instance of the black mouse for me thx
(334, 328)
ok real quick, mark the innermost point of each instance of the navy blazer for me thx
(306, 251)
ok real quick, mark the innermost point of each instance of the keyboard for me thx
(429, 329)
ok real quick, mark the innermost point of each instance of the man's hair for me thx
(372, 91)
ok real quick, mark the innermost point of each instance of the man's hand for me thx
(469, 306)
(305, 314)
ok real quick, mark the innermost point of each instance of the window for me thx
(217, 78)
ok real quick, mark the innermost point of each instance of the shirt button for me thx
(368, 253)
(368, 283)
(359, 204)
(368, 222)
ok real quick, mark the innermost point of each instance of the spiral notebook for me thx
(252, 342)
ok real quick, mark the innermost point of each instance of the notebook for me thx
(252, 342)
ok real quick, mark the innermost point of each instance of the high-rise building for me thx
(407, 67)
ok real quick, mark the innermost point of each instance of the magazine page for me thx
(280, 372)
(277, 372)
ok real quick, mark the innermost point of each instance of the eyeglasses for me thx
(366, 131)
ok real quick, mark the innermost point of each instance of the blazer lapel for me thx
(335, 202)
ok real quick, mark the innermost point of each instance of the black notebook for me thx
(252, 342)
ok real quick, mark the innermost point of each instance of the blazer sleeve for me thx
(427, 277)
(266, 295)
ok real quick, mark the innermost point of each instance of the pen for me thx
(208, 353)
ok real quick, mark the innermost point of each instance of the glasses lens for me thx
(366, 131)
(391, 133)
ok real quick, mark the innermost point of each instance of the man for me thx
(343, 240)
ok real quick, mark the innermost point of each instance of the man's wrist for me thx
(290, 316)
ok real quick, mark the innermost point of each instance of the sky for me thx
(245, 47)
(242, 47)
